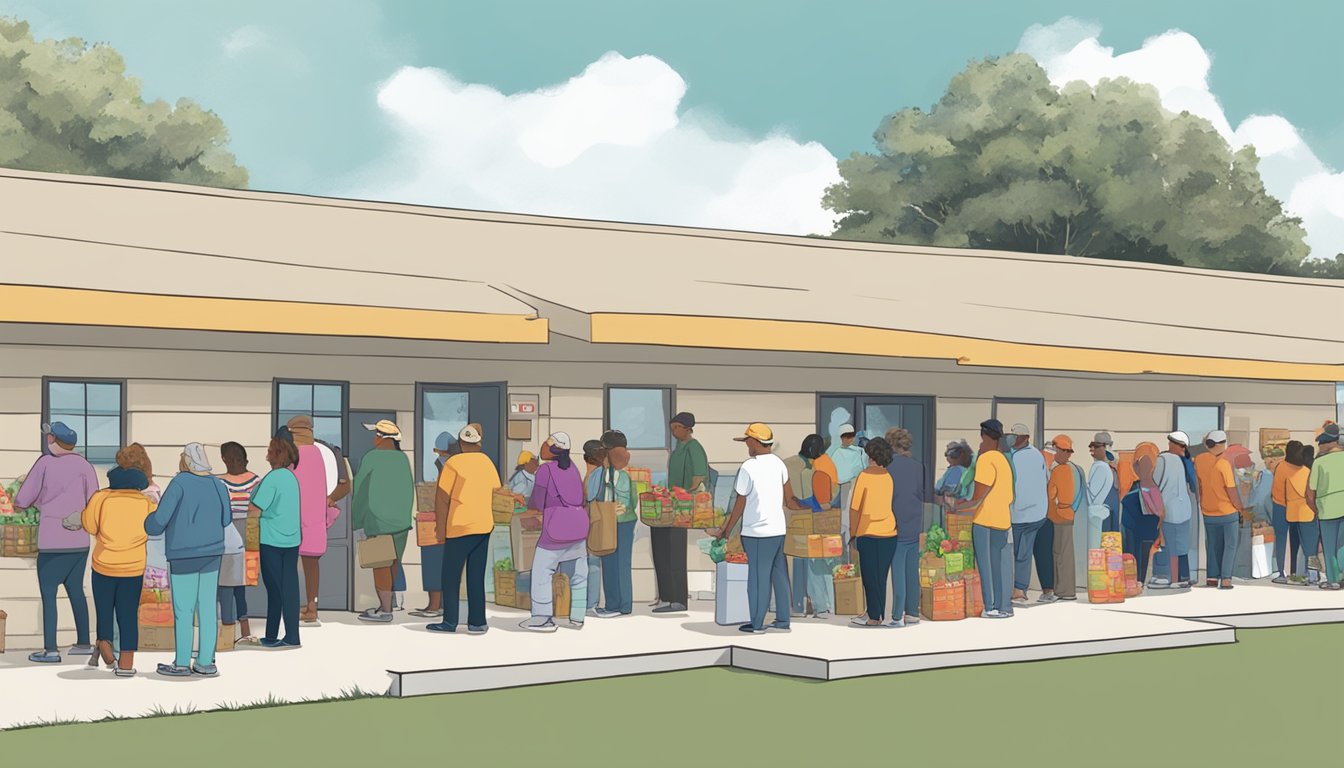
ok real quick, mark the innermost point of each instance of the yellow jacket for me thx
(116, 520)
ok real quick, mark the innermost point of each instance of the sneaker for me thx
(119, 672)
(1280, 579)
(908, 620)
(172, 670)
(1182, 585)
(898, 624)
(375, 615)
(1160, 584)
(1067, 598)
(1048, 597)
(45, 657)
(1020, 600)
(538, 624)
(442, 627)
(81, 650)
(269, 643)
(205, 670)
(780, 627)
(603, 613)
(1297, 580)
(572, 624)
(481, 630)
(658, 606)
(824, 615)
(749, 629)
(670, 608)
(861, 621)
(425, 613)
(993, 614)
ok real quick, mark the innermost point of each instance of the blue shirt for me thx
(192, 515)
(907, 497)
(278, 499)
(849, 462)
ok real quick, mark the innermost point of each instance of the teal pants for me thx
(195, 600)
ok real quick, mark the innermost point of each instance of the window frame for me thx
(345, 404)
(1339, 402)
(669, 405)
(1038, 439)
(47, 381)
(863, 399)
(1197, 441)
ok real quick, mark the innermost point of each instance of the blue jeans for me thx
(1024, 548)
(1279, 518)
(1305, 537)
(280, 574)
(905, 580)
(991, 547)
(876, 556)
(399, 578)
(232, 604)
(1221, 533)
(616, 578)
(1332, 537)
(195, 597)
(63, 569)
(766, 569)
(469, 552)
(812, 578)
(117, 603)
(431, 568)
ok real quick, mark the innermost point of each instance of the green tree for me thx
(1006, 160)
(66, 107)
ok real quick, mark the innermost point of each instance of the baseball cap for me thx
(524, 457)
(61, 432)
(470, 434)
(1062, 443)
(1329, 434)
(846, 429)
(385, 428)
(560, 440)
(1217, 436)
(760, 433)
(993, 427)
(1020, 430)
(443, 442)
(1179, 437)
(1102, 438)
(685, 419)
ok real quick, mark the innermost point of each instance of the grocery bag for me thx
(377, 552)
(1261, 555)
(426, 529)
(602, 528)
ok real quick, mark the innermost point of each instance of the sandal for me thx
(248, 640)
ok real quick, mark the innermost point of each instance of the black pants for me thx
(469, 551)
(118, 597)
(1044, 552)
(669, 563)
(875, 556)
(280, 575)
(66, 569)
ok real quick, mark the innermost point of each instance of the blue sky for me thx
(318, 100)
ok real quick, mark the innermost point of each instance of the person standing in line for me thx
(1278, 495)
(812, 577)
(316, 472)
(1324, 484)
(524, 477)
(276, 504)
(462, 507)
(445, 447)
(992, 504)
(1304, 531)
(559, 498)
(849, 460)
(762, 489)
(383, 503)
(873, 521)
(192, 515)
(116, 519)
(240, 483)
(907, 507)
(60, 485)
(594, 457)
(431, 557)
(948, 488)
(1174, 476)
(1142, 516)
(1030, 526)
(1100, 489)
(1065, 494)
(612, 483)
(687, 468)
(1220, 504)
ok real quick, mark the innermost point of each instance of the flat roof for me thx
(160, 255)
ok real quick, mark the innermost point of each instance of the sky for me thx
(699, 113)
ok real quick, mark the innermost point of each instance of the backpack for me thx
(1080, 489)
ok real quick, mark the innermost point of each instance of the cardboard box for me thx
(811, 523)
(932, 570)
(814, 546)
(424, 496)
(156, 638)
(943, 602)
(522, 544)
(1131, 566)
(958, 523)
(1273, 444)
(506, 588)
(849, 600)
(1111, 541)
(560, 596)
(975, 599)
(426, 529)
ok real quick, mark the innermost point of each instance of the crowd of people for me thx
(1022, 511)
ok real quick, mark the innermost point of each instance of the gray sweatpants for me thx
(545, 564)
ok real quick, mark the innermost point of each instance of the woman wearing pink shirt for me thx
(316, 473)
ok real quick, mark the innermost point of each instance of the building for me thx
(165, 314)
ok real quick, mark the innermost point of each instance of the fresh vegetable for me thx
(504, 565)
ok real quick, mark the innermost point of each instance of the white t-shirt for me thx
(1170, 477)
(1100, 480)
(761, 482)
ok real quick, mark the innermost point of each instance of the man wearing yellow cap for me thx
(524, 477)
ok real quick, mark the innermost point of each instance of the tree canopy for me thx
(66, 107)
(1007, 161)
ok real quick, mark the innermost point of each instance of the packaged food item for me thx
(1131, 566)
(849, 599)
(943, 602)
(426, 529)
(1112, 541)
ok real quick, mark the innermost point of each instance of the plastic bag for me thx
(718, 550)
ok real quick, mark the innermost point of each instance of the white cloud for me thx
(1177, 65)
(242, 40)
(610, 143)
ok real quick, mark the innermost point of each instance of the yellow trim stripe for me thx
(75, 306)
(792, 336)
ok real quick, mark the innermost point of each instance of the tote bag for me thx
(377, 552)
(602, 514)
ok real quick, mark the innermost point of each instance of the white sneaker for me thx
(824, 615)
(603, 613)
(538, 624)
(572, 624)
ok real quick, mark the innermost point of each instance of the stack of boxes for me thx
(1106, 571)
(814, 534)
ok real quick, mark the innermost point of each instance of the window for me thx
(1021, 410)
(94, 408)
(643, 414)
(442, 411)
(1197, 420)
(325, 401)
(1339, 403)
(874, 415)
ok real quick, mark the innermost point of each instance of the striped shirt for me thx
(240, 493)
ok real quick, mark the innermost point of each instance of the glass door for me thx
(873, 415)
(1196, 421)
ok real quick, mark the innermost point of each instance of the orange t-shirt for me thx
(1278, 489)
(825, 479)
(1060, 494)
(1215, 478)
(1296, 494)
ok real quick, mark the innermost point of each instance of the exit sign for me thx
(524, 407)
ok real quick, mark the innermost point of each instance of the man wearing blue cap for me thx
(60, 485)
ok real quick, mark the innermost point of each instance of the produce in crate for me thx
(504, 565)
(845, 571)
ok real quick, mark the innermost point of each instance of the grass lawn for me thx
(1221, 705)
